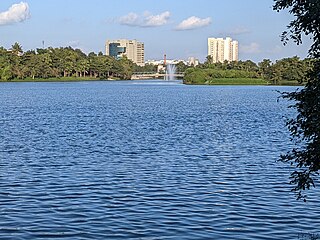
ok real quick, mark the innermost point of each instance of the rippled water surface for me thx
(146, 160)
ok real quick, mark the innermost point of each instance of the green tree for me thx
(248, 66)
(44, 65)
(288, 70)
(61, 62)
(276, 73)
(265, 68)
(209, 60)
(17, 68)
(5, 64)
(146, 68)
(81, 63)
(6, 73)
(181, 67)
(16, 49)
(92, 61)
(30, 62)
(305, 127)
(126, 68)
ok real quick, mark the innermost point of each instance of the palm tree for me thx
(16, 49)
(209, 59)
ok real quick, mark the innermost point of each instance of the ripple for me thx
(146, 161)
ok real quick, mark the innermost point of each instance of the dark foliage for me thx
(305, 127)
(60, 63)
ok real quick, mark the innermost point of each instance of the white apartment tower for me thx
(132, 49)
(223, 49)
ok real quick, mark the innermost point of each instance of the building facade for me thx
(132, 49)
(223, 49)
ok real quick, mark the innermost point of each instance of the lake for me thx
(147, 160)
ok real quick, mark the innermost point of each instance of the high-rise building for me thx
(132, 49)
(235, 51)
(223, 49)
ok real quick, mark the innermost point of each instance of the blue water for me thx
(147, 160)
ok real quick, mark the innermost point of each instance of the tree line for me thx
(60, 62)
(284, 71)
(66, 62)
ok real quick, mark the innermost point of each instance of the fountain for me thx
(170, 72)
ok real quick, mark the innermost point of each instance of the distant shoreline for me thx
(66, 79)
(219, 82)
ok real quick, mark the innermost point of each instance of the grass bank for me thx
(210, 76)
(231, 81)
(62, 79)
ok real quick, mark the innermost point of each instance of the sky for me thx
(177, 28)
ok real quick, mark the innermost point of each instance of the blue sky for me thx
(179, 28)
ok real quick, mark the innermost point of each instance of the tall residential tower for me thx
(132, 49)
(223, 49)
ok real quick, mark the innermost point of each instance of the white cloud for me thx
(156, 20)
(16, 13)
(132, 19)
(193, 23)
(147, 20)
(252, 48)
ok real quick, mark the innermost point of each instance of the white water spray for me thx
(170, 72)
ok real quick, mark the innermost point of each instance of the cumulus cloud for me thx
(132, 19)
(156, 20)
(252, 48)
(147, 20)
(16, 13)
(193, 23)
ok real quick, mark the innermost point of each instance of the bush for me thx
(202, 76)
